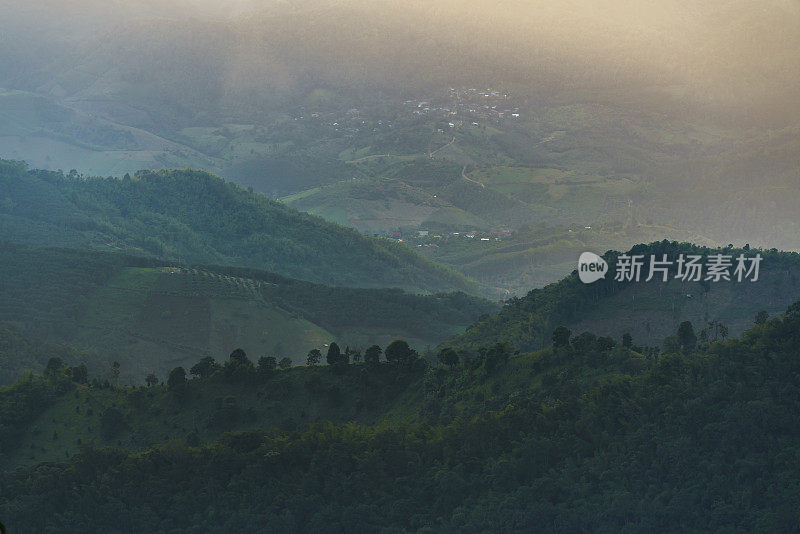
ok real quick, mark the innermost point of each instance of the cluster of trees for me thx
(684, 340)
(398, 352)
(57, 369)
(78, 373)
(239, 368)
(588, 341)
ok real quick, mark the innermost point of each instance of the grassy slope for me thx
(152, 323)
(21, 353)
(152, 315)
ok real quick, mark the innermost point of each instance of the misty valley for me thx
(374, 266)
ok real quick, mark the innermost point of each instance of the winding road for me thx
(467, 178)
(453, 140)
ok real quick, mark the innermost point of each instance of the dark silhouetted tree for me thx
(54, 365)
(80, 374)
(703, 335)
(723, 331)
(334, 355)
(686, 336)
(177, 378)
(627, 340)
(399, 352)
(605, 343)
(373, 355)
(584, 343)
(114, 373)
(314, 357)
(239, 367)
(267, 364)
(204, 368)
(561, 337)
(448, 357)
(238, 356)
(496, 356)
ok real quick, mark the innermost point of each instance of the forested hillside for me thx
(649, 311)
(151, 315)
(56, 413)
(196, 217)
(582, 436)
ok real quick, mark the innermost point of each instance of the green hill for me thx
(649, 311)
(580, 437)
(64, 418)
(196, 217)
(152, 315)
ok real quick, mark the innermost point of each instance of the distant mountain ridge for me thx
(196, 217)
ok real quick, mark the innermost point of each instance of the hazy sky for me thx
(721, 52)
